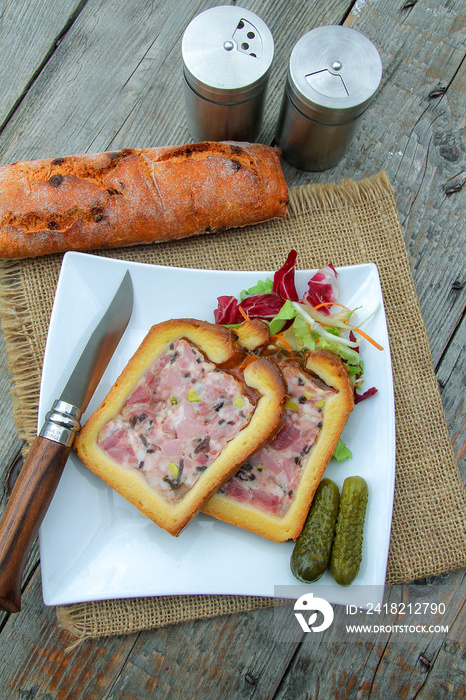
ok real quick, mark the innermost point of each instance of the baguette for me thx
(272, 492)
(107, 200)
(181, 419)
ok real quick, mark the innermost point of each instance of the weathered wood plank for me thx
(182, 661)
(419, 140)
(166, 122)
(91, 97)
(451, 375)
(396, 664)
(231, 656)
(447, 668)
(36, 661)
(29, 33)
(8, 437)
(234, 657)
(80, 100)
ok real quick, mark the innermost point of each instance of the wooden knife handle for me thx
(25, 510)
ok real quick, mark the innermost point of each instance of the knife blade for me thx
(43, 467)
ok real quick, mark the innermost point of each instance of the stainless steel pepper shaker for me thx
(333, 74)
(227, 55)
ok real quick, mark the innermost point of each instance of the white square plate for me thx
(95, 545)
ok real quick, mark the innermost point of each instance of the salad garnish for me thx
(316, 321)
(283, 280)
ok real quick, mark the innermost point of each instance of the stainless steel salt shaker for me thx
(333, 74)
(227, 56)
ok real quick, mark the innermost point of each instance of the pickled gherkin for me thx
(311, 553)
(347, 545)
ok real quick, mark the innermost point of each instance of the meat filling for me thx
(268, 480)
(177, 420)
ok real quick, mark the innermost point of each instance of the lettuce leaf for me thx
(303, 334)
(347, 354)
(356, 370)
(262, 287)
(341, 452)
(286, 313)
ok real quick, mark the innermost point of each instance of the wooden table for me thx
(95, 75)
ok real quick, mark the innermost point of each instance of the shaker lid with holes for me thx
(333, 74)
(227, 54)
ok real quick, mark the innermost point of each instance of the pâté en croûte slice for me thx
(188, 409)
(273, 490)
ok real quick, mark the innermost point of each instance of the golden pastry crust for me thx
(107, 200)
(253, 334)
(329, 369)
(218, 345)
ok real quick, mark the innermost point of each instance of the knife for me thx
(43, 467)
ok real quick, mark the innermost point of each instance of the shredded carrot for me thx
(243, 314)
(247, 360)
(353, 328)
(357, 330)
(367, 337)
(329, 303)
(280, 336)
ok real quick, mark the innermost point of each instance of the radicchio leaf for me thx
(370, 392)
(283, 280)
(227, 310)
(262, 306)
(323, 287)
(353, 339)
(362, 397)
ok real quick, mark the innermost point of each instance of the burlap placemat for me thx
(345, 224)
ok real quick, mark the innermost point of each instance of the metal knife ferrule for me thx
(62, 423)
